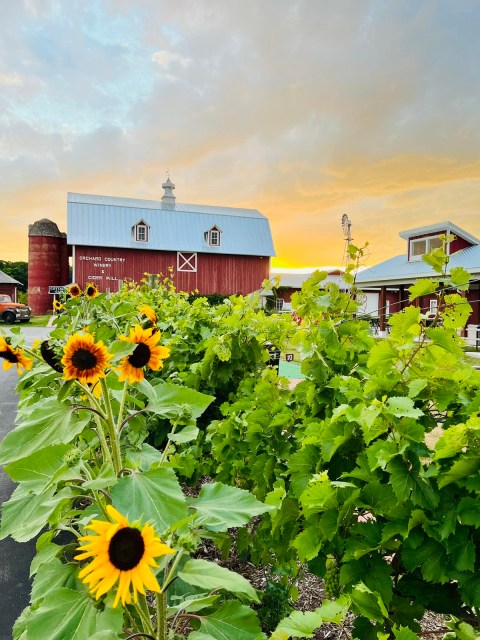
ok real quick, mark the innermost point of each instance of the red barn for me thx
(213, 249)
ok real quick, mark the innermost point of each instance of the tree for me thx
(17, 270)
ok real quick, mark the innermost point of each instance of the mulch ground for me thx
(311, 596)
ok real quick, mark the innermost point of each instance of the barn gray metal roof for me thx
(106, 221)
(6, 279)
(399, 270)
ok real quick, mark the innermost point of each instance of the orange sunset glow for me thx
(303, 110)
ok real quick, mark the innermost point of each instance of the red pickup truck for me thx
(12, 311)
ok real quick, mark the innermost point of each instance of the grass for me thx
(37, 321)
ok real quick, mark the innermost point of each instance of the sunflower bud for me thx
(50, 357)
(72, 456)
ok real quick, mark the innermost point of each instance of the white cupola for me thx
(168, 199)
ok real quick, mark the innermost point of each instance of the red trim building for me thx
(386, 284)
(9, 286)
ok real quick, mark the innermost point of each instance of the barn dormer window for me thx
(141, 231)
(421, 246)
(213, 237)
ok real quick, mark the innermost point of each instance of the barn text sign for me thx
(101, 262)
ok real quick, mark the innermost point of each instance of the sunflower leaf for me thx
(65, 613)
(221, 507)
(36, 472)
(25, 514)
(170, 398)
(208, 575)
(232, 620)
(45, 423)
(154, 495)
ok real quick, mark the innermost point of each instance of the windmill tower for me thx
(347, 235)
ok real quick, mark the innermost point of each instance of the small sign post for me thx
(55, 289)
(289, 357)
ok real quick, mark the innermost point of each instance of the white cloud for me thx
(11, 79)
(167, 58)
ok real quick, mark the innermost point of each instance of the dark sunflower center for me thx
(9, 356)
(126, 549)
(84, 359)
(140, 357)
(90, 291)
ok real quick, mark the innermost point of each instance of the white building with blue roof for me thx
(386, 284)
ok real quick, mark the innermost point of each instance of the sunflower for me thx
(74, 291)
(122, 554)
(91, 290)
(148, 312)
(58, 306)
(85, 359)
(14, 356)
(147, 352)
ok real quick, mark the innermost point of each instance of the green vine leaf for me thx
(422, 287)
(409, 485)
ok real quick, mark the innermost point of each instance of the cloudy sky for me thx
(305, 110)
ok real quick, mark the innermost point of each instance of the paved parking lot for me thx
(15, 558)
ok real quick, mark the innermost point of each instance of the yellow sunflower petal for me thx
(123, 590)
(148, 579)
(107, 583)
(121, 554)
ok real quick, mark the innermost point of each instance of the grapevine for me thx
(332, 575)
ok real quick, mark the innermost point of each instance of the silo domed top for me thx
(44, 227)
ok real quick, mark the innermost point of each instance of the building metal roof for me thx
(6, 279)
(439, 227)
(399, 270)
(295, 280)
(106, 221)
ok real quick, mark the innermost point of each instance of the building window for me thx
(141, 231)
(187, 262)
(433, 306)
(421, 246)
(213, 237)
(279, 304)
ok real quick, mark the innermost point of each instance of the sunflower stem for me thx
(93, 401)
(142, 609)
(107, 456)
(122, 406)
(114, 441)
(164, 454)
(169, 578)
(161, 615)
(99, 417)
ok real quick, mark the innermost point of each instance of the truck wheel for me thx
(9, 317)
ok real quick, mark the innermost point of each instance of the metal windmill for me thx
(347, 234)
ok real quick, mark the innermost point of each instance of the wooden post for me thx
(382, 303)
(401, 293)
